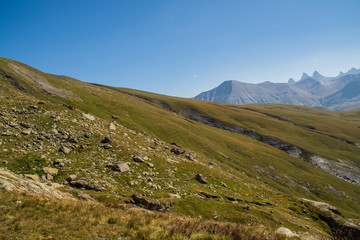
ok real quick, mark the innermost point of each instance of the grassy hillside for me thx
(249, 180)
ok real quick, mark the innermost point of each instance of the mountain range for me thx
(336, 93)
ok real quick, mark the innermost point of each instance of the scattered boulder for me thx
(140, 158)
(121, 167)
(64, 150)
(115, 117)
(141, 201)
(286, 232)
(112, 126)
(87, 135)
(106, 146)
(106, 139)
(177, 151)
(33, 107)
(223, 185)
(72, 177)
(200, 179)
(89, 184)
(172, 195)
(51, 171)
(71, 107)
(26, 132)
(26, 125)
(233, 199)
(150, 165)
(191, 156)
(72, 140)
(88, 117)
(60, 162)
(208, 195)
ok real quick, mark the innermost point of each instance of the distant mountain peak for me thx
(316, 74)
(291, 80)
(304, 76)
(351, 71)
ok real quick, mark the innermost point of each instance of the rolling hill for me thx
(249, 168)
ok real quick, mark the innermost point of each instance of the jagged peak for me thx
(304, 76)
(316, 74)
(291, 80)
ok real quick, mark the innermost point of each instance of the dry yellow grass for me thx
(25, 216)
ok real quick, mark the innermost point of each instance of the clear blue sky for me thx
(182, 47)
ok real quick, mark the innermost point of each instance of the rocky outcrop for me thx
(140, 158)
(141, 201)
(13, 182)
(340, 227)
(89, 184)
(201, 179)
(286, 232)
(121, 167)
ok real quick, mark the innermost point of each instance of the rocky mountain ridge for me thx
(315, 90)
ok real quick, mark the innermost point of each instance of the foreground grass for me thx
(25, 216)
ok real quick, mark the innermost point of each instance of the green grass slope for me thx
(266, 183)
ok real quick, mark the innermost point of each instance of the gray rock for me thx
(223, 185)
(177, 151)
(87, 135)
(72, 177)
(89, 184)
(112, 126)
(208, 195)
(26, 125)
(286, 232)
(200, 179)
(51, 171)
(139, 158)
(150, 165)
(106, 139)
(121, 167)
(115, 117)
(106, 146)
(171, 195)
(191, 156)
(60, 162)
(6, 134)
(26, 132)
(64, 149)
(141, 201)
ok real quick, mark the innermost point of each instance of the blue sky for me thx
(182, 47)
